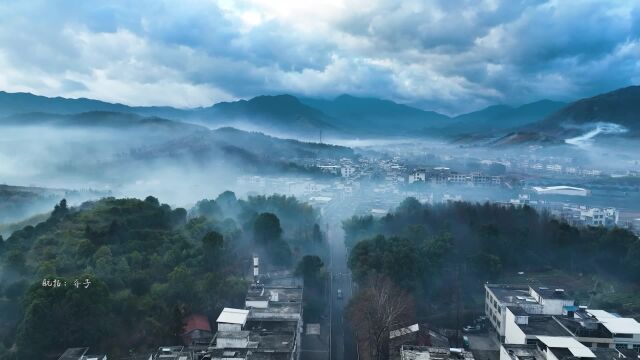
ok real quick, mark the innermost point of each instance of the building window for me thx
(603, 345)
(587, 344)
(626, 336)
(622, 346)
(636, 347)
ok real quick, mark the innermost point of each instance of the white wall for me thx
(232, 342)
(555, 306)
(258, 304)
(504, 355)
(513, 334)
(229, 327)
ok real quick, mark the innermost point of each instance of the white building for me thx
(347, 171)
(599, 217)
(561, 190)
(232, 339)
(541, 300)
(232, 319)
(546, 349)
(625, 332)
(411, 352)
(418, 175)
(592, 328)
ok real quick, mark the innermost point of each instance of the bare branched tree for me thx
(378, 308)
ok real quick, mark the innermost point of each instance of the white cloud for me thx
(449, 55)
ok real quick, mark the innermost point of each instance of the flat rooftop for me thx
(277, 311)
(283, 342)
(517, 310)
(560, 345)
(271, 326)
(551, 293)
(614, 323)
(607, 354)
(521, 294)
(284, 294)
(73, 353)
(232, 334)
(595, 330)
(275, 293)
(513, 294)
(284, 278)
(233, 316)
(523, 352)
(409, 352)
(543, 325)
(263, 355)
(227, 353)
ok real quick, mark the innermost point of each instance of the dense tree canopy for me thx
(150, 266)
(491, 238)
(266, 228)
(439, 251)
(311, 268)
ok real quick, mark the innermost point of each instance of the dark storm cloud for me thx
(451, 56)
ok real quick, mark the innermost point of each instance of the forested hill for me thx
(425, 248)
(148, 266)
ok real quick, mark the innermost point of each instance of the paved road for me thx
(342, 344)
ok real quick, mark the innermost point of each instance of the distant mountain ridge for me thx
(618, 109)
(17, 103)
(148, 125)
(501, 117)
(287, 115)
(280, 112)
(371, 116)
(621, 106)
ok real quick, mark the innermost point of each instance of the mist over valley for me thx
(345, 180)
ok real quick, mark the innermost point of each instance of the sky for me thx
(451, 56)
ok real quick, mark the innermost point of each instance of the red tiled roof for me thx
(196, 322)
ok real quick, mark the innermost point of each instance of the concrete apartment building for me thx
(411, 352)
(522, 315)
(592, 328)
(270, 326)
(559, 348)
(539, 300)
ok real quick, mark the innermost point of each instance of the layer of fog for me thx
(593, 130)
(100, 159)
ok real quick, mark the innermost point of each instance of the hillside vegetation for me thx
(439, 252)
(148, 266)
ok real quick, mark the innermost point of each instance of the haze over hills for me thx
(350, 116)
(283, 113)
(344, 116)
(611, 114)
(17, 103)
(501, 117)
(124, 147)
(104, 119)
(371, 116)
(255, 150)
(620, 107)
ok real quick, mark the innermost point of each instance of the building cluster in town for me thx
(579, 215)
(546, 323)
(269, 327)
(378, 198)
